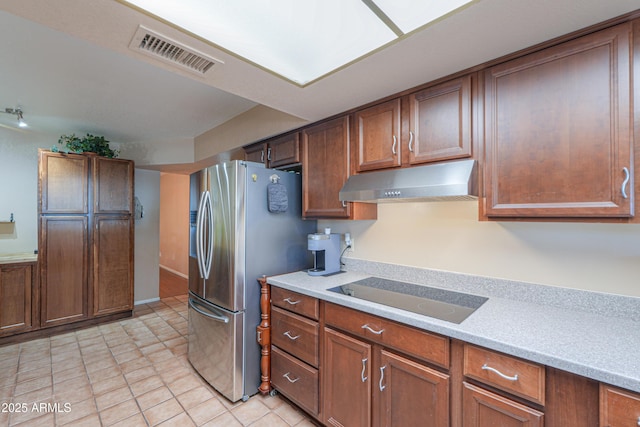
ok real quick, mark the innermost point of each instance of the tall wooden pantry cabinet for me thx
(85, 237)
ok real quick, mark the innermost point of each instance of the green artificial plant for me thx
(89, 143)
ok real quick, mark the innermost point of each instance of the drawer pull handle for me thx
(364, 367)
(367, 327)
(639, 421)
(292, 338)
(290, 301)
(382, 387)
(485, 367)
(393, 147)
(289, 378)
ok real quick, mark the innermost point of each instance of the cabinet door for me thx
(113, 185)
(411, 394)
(64, 181)
(440, 122)
(346, 380)
(15, 298)
(325, 150)
(256, 153)
(618, 408)
(112, 264)
(64, 269)
(378, 136)
(558, 138)
(482, 408)
(284, 151)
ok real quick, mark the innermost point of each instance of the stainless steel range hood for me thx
(454, 180)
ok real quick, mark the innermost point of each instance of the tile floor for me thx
(132, 372)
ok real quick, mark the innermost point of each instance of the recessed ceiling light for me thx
(299, 40)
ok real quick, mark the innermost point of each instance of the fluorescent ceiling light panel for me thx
(301, 40)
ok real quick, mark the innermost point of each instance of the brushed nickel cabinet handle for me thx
(292, 338)
(373, 331)
(393, 147)
(262, 156)
(485, 367)
(289, 378)
(411, 141)
(364, 367)
(625, 182)
(380, 386)
(269, 154)
(290, 301)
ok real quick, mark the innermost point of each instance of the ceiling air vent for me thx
(167, 50)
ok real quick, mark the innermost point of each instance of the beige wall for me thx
(174, 223)
(448, 236)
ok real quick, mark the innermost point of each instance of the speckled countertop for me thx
(592, 334)
(18, 258)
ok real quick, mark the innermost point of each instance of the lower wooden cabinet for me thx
(618, 408)
(346, 380)
(295, 379)
(16, 298)
(410, 393)
(482, 408)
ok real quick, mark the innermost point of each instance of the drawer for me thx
(293, 301)
(295, 379)
(507, 373)
(415, 342)
(484, 408)
(618, 407)
(295, 334)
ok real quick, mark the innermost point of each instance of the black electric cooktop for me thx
(433, 302)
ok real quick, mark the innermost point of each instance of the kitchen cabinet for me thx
(85, 237)
(326, 167)
(618, 408)
(64, 269)
(295, 348)
(374, 379)
(378, 136)
(16, 297)
(558, 136)
(439, 127)
(278, 152)
(484, 408)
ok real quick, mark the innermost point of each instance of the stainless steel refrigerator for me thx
(238, 234)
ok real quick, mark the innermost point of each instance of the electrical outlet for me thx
(352, 248)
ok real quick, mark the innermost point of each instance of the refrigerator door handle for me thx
(209, 218)
(199, 237)
(208, 313)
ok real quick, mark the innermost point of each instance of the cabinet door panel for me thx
(482, 408)
(411, 394)
(64, 269)
(15, 298)
(346, 380)
(440, 122)
(283, 151)
(256, 153)
(326, 168)
(113, 264)
(113, 186)
(378, 136)
(558, 130)
(64, 181)
(295, 379)
(618, 408)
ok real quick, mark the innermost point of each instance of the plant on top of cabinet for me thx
(87, 144)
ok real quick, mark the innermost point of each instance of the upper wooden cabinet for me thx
(378, 136)
(439, 127)
(325, 162)
(113, 186)
(64, 181)
(440, 122)
(557, 126)
(281, 151)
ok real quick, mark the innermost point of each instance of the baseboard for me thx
(177, 273)
(146, 301)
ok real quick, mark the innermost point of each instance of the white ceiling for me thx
(68, 65)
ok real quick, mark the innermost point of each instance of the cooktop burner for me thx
(433, 302)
